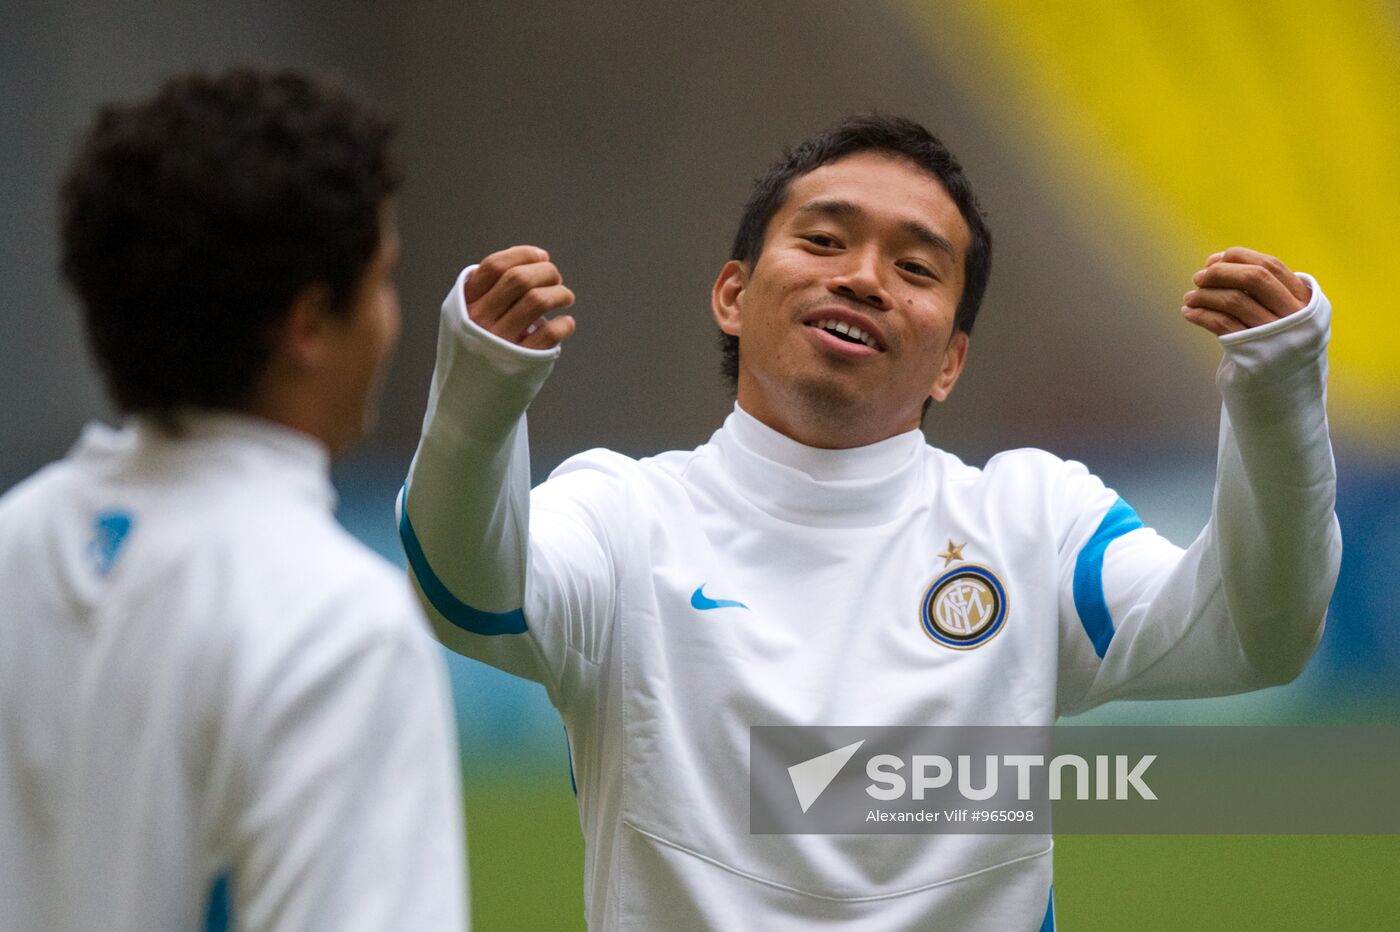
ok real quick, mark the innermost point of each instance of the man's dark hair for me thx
(866, 132)
(192, 219)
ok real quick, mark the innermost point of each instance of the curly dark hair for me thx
(193, 218)
(865, 132)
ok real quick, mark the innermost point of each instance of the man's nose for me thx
(861, 280)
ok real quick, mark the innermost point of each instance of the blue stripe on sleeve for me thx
(1089, 600)
(218, 916)
(569, 750)
(1048, 923)
(448, 605)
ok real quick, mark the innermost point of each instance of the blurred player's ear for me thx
(954, 358)
(726, 297)
(300, 339)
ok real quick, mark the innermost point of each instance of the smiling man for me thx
(853, 308)
(818, 563)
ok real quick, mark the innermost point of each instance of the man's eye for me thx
(822, 240)
(917, 268)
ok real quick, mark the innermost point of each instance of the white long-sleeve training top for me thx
(217, 709)
(671, 603)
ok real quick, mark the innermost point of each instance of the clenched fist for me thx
(510, 293)
(1240, 288)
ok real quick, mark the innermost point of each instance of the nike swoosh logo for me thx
(698, 600)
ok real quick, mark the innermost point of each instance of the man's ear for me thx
(301, 339)
(954, 358)
(726, 298)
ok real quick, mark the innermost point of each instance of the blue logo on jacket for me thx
(109, 531)
(702, 602)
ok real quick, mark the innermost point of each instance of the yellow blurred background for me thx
(1200, 124)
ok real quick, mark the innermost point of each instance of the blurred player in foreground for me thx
(818, 563)
(217, 709)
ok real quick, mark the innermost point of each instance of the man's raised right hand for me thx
(510, 293)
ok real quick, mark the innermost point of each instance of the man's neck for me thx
(289, 411)
(824, 426)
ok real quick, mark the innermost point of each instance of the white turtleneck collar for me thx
(218, 442)
(857, 487)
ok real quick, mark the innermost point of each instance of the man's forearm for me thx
(464, 513)
(1280, 546)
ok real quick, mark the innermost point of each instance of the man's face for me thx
(870, 242)
(363, 340)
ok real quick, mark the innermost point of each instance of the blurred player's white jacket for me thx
(671, 603)
(213, 700)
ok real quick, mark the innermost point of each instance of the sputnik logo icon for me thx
(811, 777)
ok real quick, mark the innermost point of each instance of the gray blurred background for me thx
(622, 137)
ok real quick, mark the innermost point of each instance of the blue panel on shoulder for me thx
(219, 916)
(1089, 600)
(448, 605)
(1048, 923)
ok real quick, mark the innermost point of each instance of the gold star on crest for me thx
(953, 553)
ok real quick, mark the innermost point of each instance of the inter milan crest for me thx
(964, 608)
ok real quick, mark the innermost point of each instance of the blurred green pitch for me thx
(526, 856)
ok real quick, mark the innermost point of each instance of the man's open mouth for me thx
(847, 332)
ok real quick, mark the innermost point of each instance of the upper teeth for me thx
(855, 333)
